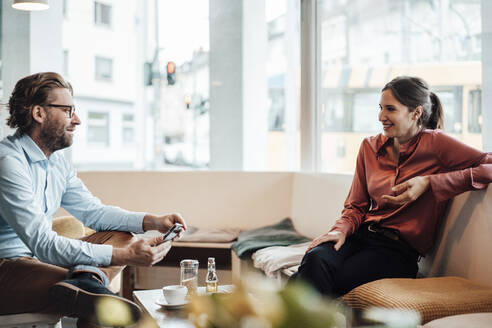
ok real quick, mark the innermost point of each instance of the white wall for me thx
(86, 40)
(122, 42)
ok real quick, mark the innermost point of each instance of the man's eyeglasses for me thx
(69, 110)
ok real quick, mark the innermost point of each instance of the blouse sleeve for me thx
(467, 168)
(358, 201)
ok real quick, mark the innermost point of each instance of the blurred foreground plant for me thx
(257, 303)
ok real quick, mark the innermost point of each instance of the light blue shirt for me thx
(32, 189)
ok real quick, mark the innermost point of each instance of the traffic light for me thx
(171, 73)
(187, 101)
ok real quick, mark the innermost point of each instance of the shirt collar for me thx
(380, 141)
(410, 144)
(32, 150)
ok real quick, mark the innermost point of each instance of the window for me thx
(102, 14)
(98, 129)
(266, 107)
(217, 113)
(65, 8)
(475, 111)
(2, 129)
(104, 69)
(65, 62)
(283, 70)
(451, 101)
(128, 124)
(363, 111)
(366, 43)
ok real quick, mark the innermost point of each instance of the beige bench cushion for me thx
(69, 227)
(433, 297)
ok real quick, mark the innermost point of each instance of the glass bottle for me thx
(211, 281)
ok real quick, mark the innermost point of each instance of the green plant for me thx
(256, 303)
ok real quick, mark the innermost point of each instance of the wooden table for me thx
(166, 318)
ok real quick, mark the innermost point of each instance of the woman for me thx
(402, 183)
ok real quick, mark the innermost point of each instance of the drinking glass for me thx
(189, 275)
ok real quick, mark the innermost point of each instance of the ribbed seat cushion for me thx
(433, 297)
(475, 320)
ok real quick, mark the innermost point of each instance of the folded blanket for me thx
(211, 235)
(276, 258)
(194, 234)
(280, 234)
(290, 271)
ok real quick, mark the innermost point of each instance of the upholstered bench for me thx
(313, 201)
(433, 298)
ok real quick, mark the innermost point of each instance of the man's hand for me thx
(412, 189)
(162, 223)
(143, 252)
(336, 236)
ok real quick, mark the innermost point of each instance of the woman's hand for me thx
(143, 252)
(335, 236)
(412, 189)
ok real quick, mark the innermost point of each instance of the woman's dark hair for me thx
(413, 92)
(30, 91)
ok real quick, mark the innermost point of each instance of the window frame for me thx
(128, 124)
(66, 62)
(98, 14)
(98, 76)
(90, 123)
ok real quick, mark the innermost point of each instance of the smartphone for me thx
(173, 232)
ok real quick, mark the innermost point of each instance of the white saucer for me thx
(162, 302)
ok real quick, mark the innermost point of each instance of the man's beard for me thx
(55, 137)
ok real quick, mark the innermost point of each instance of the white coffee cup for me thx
(175, 294)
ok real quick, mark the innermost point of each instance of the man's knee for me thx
(121, 238)
(123, 235)
(25, 282)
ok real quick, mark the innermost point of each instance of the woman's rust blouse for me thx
(452, 166)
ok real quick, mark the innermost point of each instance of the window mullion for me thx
(310, 86)
(486, 75)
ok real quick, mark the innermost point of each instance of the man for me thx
(39, 270)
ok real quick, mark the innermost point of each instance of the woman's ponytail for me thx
(436, 118)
